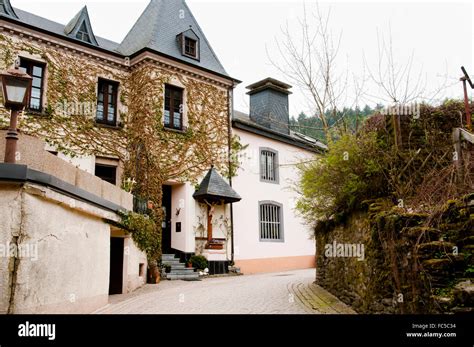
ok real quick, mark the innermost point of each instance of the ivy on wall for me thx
(151, 154)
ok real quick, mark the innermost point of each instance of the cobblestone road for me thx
(276, 293)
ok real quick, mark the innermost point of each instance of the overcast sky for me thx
(439, 35)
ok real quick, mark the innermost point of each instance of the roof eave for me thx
(255, 129)
(150, 50)
(62, 37)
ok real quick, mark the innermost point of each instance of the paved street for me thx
(276, 293)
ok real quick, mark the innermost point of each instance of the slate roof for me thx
(6, 9)
(158, 28)
(213, 188)
(242, 121)
(57, 28)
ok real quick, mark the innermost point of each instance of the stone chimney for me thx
(269, 106)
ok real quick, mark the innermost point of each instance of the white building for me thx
(268, 234)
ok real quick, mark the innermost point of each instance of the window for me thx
(190, 47)
(173, 108)
(271, 221)
(188, 43)
(269, 165)
(106, 172)
(107, 103)
(83, 34)
(35, 70)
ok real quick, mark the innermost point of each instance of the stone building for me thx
(162, 93)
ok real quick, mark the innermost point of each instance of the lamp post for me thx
(15, 86)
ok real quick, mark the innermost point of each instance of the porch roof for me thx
(214, 188)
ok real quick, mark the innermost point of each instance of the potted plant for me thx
(198, 262)
(189, 264)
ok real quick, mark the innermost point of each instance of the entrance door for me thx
(166, 227)
(116, 265)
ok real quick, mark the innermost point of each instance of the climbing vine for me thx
(151, 154)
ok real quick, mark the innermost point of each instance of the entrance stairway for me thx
(178, 270)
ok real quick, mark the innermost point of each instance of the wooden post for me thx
(466, 105)
(209, 224)
(397, 131)
(457, 155)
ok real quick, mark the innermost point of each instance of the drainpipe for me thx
(230, 107)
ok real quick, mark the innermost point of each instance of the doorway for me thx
(116, 265)
(166, 226)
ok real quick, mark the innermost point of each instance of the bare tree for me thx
(397, 81)
(308, 60)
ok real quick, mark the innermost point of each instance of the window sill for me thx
(35, 113)
(177, 131)
(108, 126)
(277, 182)
(197, 58)
(272, 241)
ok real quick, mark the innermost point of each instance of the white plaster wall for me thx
(133, 258)
(72, 270)
(297, 235)
(198, 216)
(69, 242)
(10, 214)
(86, 163)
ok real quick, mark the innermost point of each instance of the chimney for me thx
(269, 106)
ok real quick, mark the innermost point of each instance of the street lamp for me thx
(15, 86)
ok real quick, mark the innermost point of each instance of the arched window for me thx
(271, 221)
(269, 165)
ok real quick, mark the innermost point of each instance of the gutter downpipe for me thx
(230, 106)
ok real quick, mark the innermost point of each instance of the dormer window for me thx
(82, 33)
(190, 47)
(189, 44)
(80, 28)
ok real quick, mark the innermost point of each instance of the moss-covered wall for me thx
(408, 267)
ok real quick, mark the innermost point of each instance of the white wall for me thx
(297, 236)
(69, 265)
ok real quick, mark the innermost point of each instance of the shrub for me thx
(349, 173)
(198, 262)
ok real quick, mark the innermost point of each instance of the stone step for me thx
(170, 262)
(172, 257)
(182, 271)
(172, 277)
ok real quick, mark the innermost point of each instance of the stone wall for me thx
(407, 267)
(31, 153)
